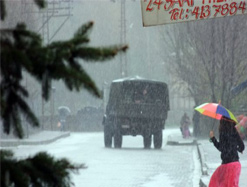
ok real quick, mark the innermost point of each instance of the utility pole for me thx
(123, 57)
(54, 10)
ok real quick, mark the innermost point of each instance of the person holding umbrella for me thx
(63, 112)
(229, 144)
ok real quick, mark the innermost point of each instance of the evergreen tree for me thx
(39, 170)
(23, 50)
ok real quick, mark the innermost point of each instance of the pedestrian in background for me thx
(229, 144)
(63, 112)
(184, 126)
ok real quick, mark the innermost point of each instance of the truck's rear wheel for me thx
(107, 136)
(158, 136)
(147, 140)
(118, 139)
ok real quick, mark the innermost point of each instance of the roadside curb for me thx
(204, 178)
(203, 181)
(176, 141)
(44, 140)
(202, 159)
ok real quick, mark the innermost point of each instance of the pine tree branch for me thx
(84, 30)
(99, 54)
(33, 170)
(23, 51)
(2, 10)
(40, 3)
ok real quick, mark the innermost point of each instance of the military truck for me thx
(136, 106)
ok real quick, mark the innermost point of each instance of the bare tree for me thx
(209, 57)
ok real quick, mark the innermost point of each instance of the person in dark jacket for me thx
(229, 144)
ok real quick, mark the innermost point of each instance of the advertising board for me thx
(158, 12)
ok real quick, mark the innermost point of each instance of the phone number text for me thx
(197, 12)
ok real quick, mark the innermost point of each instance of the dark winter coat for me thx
(229, 145)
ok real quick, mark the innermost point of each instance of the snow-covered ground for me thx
(131, 166)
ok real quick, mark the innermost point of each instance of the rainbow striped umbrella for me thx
(216, 111)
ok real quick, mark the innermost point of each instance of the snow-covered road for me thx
(131, 166)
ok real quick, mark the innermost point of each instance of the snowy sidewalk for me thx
(210, 160)
(209, 157)
(43, 137)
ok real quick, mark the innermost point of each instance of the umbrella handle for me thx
(212, 127)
